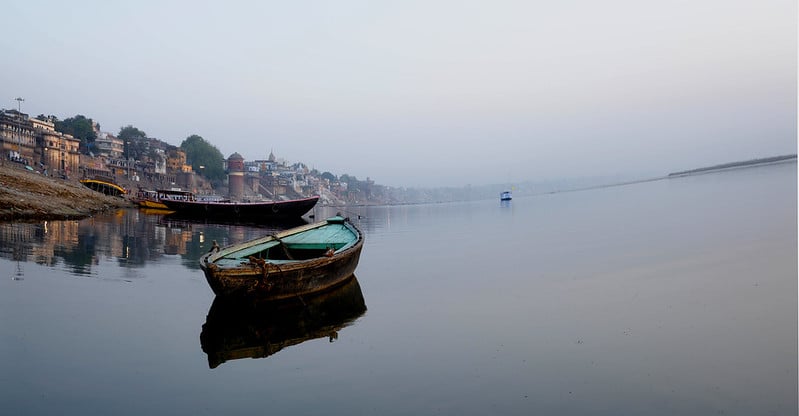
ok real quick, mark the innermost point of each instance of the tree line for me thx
(204, 158)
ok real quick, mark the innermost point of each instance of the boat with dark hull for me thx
(292, 263)
(234, 329)
(152, 199)
(253, 211)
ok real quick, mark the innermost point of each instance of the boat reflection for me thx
(275, 223)
(234, 329)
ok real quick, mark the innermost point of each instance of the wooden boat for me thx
(105, 186)
(227, 210)
(152, 199)
(234, 329)
(303, 260)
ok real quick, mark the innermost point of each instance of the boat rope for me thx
(282, 246)
(264, 266)
(350, 213)
(214, 247)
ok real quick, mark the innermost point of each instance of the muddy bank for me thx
(28, 196)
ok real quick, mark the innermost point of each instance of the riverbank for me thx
(29, 196)
(737, 165)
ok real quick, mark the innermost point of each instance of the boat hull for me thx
(251, 211)
(284, 281)
(276, 280)
(149, 204)
(105, 187)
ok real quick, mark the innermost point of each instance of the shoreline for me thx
(29, 196)
(736, 165)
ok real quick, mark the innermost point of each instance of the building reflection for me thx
(129, 237)
(176, 237)
(41, 243)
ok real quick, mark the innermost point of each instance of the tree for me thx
(134, 142)
(354, 185)
(131, 133)
(329, 176)
(204, 157)
(50, 118)
(349, 180)
(78, 127)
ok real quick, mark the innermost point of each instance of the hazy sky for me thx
(422, 93)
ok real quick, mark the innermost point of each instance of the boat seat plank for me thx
(336, 236)
(322, 235)
(249, 251)
(228, 263)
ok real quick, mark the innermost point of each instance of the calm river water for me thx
(670, 297)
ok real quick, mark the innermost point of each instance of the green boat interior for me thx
(313, 243)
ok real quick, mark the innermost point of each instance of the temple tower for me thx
(235, 165)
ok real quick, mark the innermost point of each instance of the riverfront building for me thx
(36, 143)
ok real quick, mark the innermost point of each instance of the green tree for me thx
(78, 127)
(134, 142)
(329, 176)
(51, 118)
(349, 180)
(204, 158)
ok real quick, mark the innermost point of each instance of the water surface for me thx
(670, 297)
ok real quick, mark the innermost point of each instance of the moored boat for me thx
(228, 210)
(105, 186)
(152, 199)
(308, 259)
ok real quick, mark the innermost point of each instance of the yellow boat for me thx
(104, 186)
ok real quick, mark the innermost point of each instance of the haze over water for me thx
(424, 93)
(669, 297)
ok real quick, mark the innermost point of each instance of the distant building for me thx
(59, 153)
(17, 135)
(109, 145)
(94, 166)
(176, 160)
(235, 165)
(36, 143)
